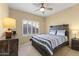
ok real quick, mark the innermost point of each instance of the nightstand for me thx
(75, 44)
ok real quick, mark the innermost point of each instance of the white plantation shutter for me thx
(30, 27)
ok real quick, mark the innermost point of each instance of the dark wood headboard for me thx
(61, 27)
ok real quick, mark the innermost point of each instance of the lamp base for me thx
(8, 35)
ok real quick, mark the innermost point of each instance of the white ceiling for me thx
(30, 7)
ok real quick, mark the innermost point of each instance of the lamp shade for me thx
(74, 31)
(9, 23)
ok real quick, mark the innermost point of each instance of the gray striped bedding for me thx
(49, 41)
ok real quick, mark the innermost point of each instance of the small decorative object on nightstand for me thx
(75, 44)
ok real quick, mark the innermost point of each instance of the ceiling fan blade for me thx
(49, 8)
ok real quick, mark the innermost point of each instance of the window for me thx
(30, 27)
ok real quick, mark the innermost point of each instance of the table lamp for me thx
(75, 32)
(9, 24)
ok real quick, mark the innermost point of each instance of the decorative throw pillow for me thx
(61, 32)
(52, 32)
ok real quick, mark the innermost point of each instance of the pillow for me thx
(52, 32)
(61, 32)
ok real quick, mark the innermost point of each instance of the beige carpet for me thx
(66, 51)
(29, 50)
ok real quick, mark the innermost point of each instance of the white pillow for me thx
(52, 32)
(61, 32)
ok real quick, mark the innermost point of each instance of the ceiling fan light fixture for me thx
(42, 9)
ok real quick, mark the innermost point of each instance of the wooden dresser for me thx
(9, 47)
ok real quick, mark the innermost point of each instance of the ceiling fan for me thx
(43, 7)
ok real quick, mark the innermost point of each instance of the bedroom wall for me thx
(69, 16)
(19, 16)
(4, 12)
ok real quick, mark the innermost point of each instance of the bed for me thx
(47, 44)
